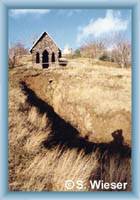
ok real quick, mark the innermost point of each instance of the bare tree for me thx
(121, 49)
(93, 49)
(15, 53)
(121, 53)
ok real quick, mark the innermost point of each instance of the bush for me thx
(104, 57)
(77, 53)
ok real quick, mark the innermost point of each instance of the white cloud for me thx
(112, 22)
(68, 12)
(72, 12)
(17, 12)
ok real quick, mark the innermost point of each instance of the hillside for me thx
(69, 122)
(94, 99)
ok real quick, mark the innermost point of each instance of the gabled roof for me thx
(40, 38)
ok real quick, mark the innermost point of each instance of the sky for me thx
(68, 27)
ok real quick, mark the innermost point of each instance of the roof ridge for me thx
(41, 36)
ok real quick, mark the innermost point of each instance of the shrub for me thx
(104, 57)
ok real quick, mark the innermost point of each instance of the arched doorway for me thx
(37, 58)
(53, 57)
(59, 54)
(45, 59)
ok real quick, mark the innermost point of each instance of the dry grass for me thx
(32, 167)
(49, 170)
(114, 170)
(96, 99)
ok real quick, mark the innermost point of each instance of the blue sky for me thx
(68, 27)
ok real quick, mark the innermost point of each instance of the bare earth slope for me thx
(94, 99)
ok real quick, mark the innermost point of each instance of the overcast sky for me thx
(68, 27)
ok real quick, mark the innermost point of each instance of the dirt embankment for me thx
(95, 100)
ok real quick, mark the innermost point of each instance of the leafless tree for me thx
(113, 48)
(121, 51)
(15, 53)
(92, 49)
(121, 54)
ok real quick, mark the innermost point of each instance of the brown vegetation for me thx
(45, 148)
(94, 99)
(116, 49)
(16, 52)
